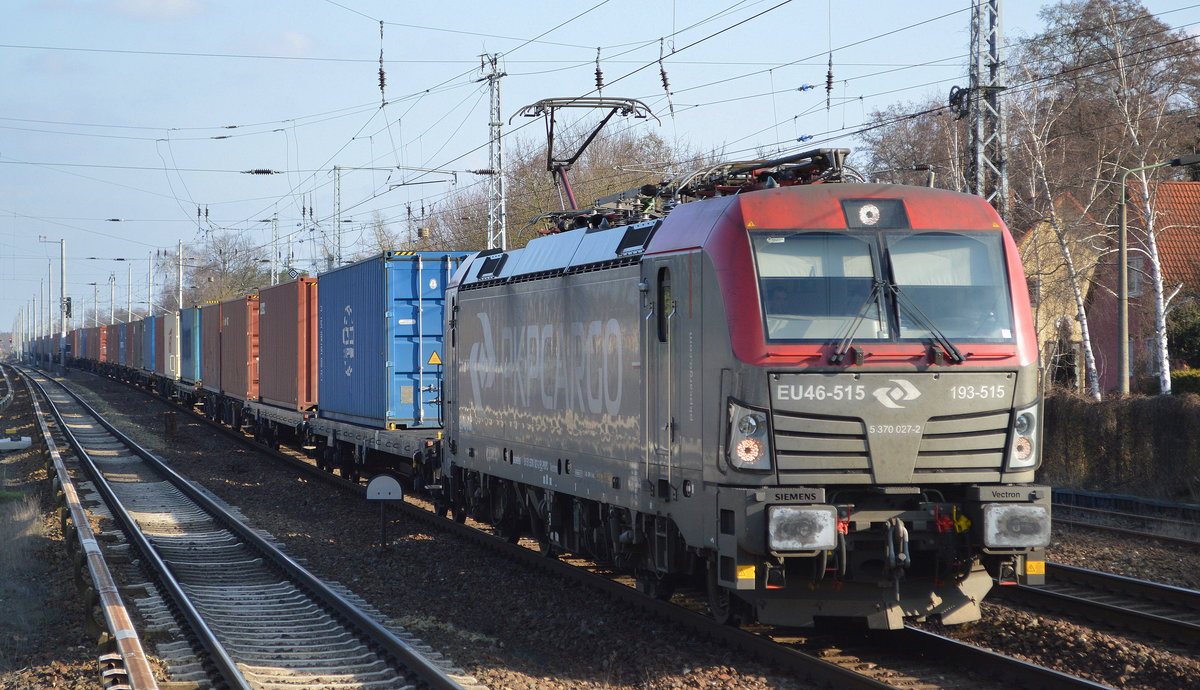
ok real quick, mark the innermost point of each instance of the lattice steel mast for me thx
(497, 216)
(987, 167)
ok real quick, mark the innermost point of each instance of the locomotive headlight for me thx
(748, 424)
(1015, 525)
(749, 443)
(1023, 452)
(801, 528)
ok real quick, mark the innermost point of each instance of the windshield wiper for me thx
(839, 353)
(903, 300)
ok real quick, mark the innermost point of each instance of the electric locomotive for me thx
(812, 397)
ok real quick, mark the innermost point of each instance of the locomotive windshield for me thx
(957, 280)
(813, 283)
(884, 285)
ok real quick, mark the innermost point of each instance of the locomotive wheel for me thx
(722, 605)
(504, 513)
(655, 586)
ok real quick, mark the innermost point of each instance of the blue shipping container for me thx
(380, 339)
(147, 362)
(189, 344)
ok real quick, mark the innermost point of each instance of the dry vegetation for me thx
(1139, 445)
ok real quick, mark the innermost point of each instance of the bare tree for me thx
(1133, 78)
(908, 143)
(227, 265)
(615, 161)
(1102, 90)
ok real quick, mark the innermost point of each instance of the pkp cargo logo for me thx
(891, 396)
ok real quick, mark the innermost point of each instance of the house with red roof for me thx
(1176, 209)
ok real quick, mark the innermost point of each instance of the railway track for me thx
(911, 658)
(1171, 523)
(260, 618)
(1163, 611)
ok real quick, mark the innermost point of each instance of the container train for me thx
(809, 397)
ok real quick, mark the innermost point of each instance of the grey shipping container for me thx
(210, 347)
(146, 361)
(166, 360)
(189, 344)
(133, 344)
(380, 339)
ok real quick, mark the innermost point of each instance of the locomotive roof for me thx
(691, 225)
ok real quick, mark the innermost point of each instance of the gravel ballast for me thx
(513, 628)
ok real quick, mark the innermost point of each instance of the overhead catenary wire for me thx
(186, 170)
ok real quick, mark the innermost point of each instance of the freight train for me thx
(808, 396)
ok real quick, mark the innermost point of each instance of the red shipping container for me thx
(110, 343)
(239, 348)
(76, 351)
(210, 347)
(287, 326)
(95, 343)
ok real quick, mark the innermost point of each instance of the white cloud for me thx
(157, 9)
(290, 43)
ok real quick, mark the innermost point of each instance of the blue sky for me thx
(144, 110)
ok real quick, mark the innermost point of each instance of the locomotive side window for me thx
(958, 280)
(814, 284)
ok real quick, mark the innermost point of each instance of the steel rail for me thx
(1124, 515)
(218, 656)
(135, 667)
(1022, 674)
(8, 393)
(1126, 504)
(430, 673)
(808, 667)
(814, 669)
(762, 646)
(1124, 531)
(1174, 614)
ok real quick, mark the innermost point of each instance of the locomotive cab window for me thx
(955, 282)
(813, 285)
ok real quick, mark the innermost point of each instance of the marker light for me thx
(1023, 453)
(749, 441)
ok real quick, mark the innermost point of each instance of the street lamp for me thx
(95, 305)
(1123, 271)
